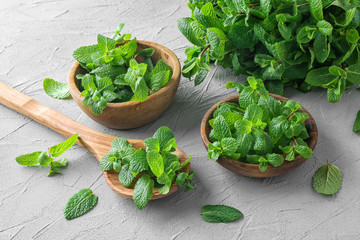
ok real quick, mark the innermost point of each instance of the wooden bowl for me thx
(133, 114)
(252, 170)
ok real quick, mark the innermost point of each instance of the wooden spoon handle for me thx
(88, 138)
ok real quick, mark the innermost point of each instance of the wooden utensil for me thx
(252, 170)
(95, 142)
(133, 114)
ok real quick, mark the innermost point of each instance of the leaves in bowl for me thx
(258, 129)
(115, 73)
(154, 167)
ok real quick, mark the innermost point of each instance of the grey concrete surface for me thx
(37, 38)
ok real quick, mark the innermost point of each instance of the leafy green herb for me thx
(156, 166)
(56, 89)
(80, 203)
(220, 213)
(303, 44)
(45, 159)
(356, 127)
(114, 73)
(259, 129)
(327, 179)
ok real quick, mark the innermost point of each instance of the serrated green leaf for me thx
(164, 135)
(324, 27)
(327, 180)
(316, 9)
(356, 127)
(83, 54)
(155, 162)
(29, 159)
(143, 191)
(275, 159)
(80, 203)
(60, 148)
(138, 161)
(220, 213)
(186, 29)
(246, 142)
(319, 77)
(304, 151)
(125, 176)
(243, 126)
(229, 145)
(221, 128)
(56, 89)
(181, 178)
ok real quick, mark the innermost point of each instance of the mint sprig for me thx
(115, 73)
(154, 166)
(258, 129)
(304, 44)
(45, 159)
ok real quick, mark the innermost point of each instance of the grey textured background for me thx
(37, 38)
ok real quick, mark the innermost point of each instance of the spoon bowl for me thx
(95, 142)
(252, 170)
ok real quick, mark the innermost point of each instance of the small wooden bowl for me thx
(133, 114)
(252, 170)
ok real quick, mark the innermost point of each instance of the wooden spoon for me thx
(95, 142)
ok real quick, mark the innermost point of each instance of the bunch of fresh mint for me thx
(299, 43)
(258, 129)
(153, 167)
(45, 159)
(114, 74)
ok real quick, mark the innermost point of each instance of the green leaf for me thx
(316, 9)
(221, 128)
(253, 113)
(247, 97)
(28, 159)
(353, 74)
(319, 77)
(200, 77)
(246, 142)
(152, 144)
(265, 6)
(321, 48)
(356, 127)
(181, 178)
(60, 148)
(156, 163)
(164, 135)
(304, 151)
(220, 213)
(159, 80)
(324, 27)
(80, 203)
(138, 161)
(263, 165)
(140, 90)
(44, 159)
(170, 146)
(147, 52)
(278, 126)
(105, 44)
(125, 176)
(109, 71)
(120, 143)
(56, 89)
(143, 191)
(60, 163)
(275, 159)
(105, 163)
(243, 126)
(186, 29)
(229, 145)
(352, 36)
(263, 143)
(52, 171)
(271, 106)
(327, 179)
(83, 54)
(242, 36)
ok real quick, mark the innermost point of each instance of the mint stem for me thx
(289, 116)
(204, 50)
(303, 4)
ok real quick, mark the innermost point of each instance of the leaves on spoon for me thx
(327, 179)
(143, 191)
(80, 203)
(220, 213)
(56, 89)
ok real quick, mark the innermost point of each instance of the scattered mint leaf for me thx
(60, 148)
(29, 159)
(56, 89)
(220, 213)
(327, 179)
(80, 203)
(356, 127)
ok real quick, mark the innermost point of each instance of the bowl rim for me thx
(175, 78)
(254, 168)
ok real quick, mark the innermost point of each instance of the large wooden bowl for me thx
(252, 170)
(133, 114)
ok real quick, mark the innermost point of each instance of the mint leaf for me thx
(120, 143)
(152, 144)
(244, 126)
(164, 135)
(356, 127)
(275, 159)
(140, 89)
(246, 142)
(60, 163)
(44, 159)
(316, 9)
(319, 77)
(105, 44)
(181, 178)
(253, 113)
(143, 191)
(304, 151)
(83, 54)
(125, 176)
(221, 129)
(56, 89)
(229, 146)
(220, 213)
(186, 29)
(325, 27)
(327, 179)
(138, 161)
(353, 74)
(60, 148)
(155, 162)
(29, 159)
(80, 203)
